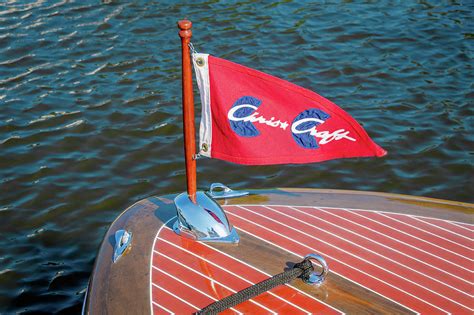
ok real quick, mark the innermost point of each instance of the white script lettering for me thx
(254, 117)
(325, 136)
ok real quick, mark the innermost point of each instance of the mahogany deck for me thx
(386, 253)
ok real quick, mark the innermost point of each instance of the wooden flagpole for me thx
(188, 109)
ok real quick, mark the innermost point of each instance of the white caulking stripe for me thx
(442, 271)
(443, 283)
(382, 235)
(430, 233)
(356, 209)
(461, 225)
(268, 275)
(190, 286)
(224, 269)
(327, 255)
(360, 258)
(151, 263)
(442, 228)
(162, 307)
(450, 226)
(252, 267)
(413, 236)
(175, 296)
(339, 274)
(210, 279)
(466, 226)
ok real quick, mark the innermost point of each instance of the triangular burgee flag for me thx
(250, 117)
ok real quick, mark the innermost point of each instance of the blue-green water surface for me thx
(90, 96)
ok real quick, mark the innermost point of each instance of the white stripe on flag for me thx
(201, 69)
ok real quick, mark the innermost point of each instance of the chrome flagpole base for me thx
(203, 221)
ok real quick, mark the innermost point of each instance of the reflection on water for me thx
(90, 114)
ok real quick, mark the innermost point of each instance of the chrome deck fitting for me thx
(204, 220)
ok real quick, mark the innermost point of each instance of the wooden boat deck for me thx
(386, 253)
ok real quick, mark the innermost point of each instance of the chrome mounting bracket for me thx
(203, 220)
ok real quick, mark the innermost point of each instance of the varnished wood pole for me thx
(188, 108)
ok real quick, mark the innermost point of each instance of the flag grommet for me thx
(200, 61)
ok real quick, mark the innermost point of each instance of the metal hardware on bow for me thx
(123, 239)
(203, 219)
(221, 191)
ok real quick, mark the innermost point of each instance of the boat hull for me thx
(387, 253)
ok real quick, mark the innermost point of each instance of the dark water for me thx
(90, 113)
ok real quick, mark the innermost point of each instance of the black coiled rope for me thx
(300, 270)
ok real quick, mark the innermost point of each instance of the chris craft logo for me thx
(243, 115)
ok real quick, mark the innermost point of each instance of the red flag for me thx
(250, 117)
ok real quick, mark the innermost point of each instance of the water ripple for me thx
(90, 114)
